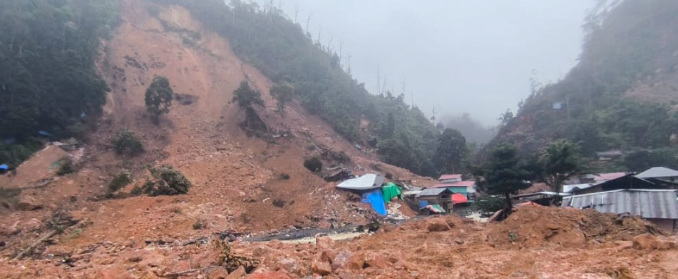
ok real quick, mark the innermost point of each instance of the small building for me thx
(450, 178)
(628, 181)
(597, 178)
(657, 206)
(439, 196)
(466, 188)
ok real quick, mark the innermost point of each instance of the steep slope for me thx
(236, 178)
(621, 95)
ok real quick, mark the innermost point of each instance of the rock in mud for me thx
(219, 273)
(340, 260)
(324, 242)
(321, 267)
(437, 225)
(28, 203)
(112, 272)
(651, 242)
(328, 256)
(237, 274)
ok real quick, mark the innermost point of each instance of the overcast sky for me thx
(455, 55)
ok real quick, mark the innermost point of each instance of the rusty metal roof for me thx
(660, 204)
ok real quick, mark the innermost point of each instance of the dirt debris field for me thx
(238, 189)
(535, 242)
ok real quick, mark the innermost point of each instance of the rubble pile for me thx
(538, 226)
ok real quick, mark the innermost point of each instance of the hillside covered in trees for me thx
(281, 49)
(48, 79)
(623, 94)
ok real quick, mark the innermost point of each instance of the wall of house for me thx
(667, 225)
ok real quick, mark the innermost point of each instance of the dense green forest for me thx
(48, 80)
(634, 41)
(285, 53)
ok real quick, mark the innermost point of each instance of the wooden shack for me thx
(439, 196)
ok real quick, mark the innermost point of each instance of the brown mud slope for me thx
(438, 247)
(236, 178)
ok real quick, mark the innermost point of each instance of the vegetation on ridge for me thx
(633, 43)
(48, 79)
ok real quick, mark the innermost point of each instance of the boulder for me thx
(651, 242)
(328, 255)
(289, 265)
(28, 203)
(375, 260)
(356, 262)
(237, 274)
(218, 273)
(437, 225)
(324, 242)
(340, 260)
(321, 267)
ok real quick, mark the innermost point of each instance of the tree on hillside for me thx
(159, 97)
(283, 92)
(246, 97)
(560, 160)
(451, 152)
(504, 175)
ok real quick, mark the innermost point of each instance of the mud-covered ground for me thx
(535, 242)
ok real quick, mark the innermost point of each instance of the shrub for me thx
(119, 181)
(314, 164)
(126, 142)
(136, 191)
(199, 224)
(167, 181)
(65, 166)
(284, 176)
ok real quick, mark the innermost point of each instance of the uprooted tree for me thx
(159, 97)
(246, 98)
(166, 181)
(504, 174)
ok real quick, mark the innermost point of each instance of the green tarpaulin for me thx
(391, 191)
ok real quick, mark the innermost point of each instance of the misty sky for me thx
(455, 55)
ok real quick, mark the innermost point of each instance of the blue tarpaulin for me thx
(4, 167)
(376, 199)
(44, 134)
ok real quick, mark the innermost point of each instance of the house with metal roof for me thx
(460, 187)
(661, 173)
(450, 178)
(659, 206)
(629, 181)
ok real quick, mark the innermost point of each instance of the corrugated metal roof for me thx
(432, 192)
(469, 183)
(658, 172)
(449, 176)
(660, 204)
